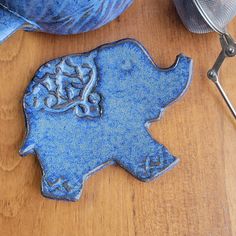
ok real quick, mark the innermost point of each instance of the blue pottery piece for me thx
(58, 16)
(88, 111)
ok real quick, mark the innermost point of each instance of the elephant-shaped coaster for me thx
(88, 111)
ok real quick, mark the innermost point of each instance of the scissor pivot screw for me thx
(231, 51)
(212, 75)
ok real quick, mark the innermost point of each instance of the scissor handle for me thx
(228, 50)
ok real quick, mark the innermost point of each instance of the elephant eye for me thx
(127, 65)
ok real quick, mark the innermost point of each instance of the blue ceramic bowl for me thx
(58, 16)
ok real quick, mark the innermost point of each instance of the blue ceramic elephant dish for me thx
(87, 111)
(58, 16)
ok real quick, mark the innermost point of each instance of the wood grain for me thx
(197, 198)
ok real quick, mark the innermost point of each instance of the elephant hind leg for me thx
(61, 188)
(148, 166)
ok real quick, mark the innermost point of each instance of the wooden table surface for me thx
(198, 197)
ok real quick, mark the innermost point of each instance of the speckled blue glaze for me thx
(87, 111)
(58, 16)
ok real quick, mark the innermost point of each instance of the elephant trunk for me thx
(175, 80)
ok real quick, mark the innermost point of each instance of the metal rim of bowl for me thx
(207, 18)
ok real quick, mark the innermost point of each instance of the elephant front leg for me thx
(147, 160)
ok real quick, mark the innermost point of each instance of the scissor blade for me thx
(226, 98)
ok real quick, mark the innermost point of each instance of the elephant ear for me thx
(9, 23)
(66, 84)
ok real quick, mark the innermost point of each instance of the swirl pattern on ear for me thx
(64, 84)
